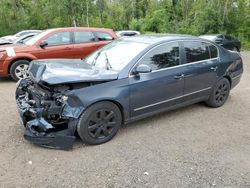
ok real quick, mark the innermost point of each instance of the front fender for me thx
(116, 91)
(10, 60)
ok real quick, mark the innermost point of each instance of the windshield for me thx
(116, 55)
(37, 37)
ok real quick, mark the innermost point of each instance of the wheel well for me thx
(229, 79)
(15, 61)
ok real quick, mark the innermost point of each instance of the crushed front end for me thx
(47, 115)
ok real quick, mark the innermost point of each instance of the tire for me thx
(220, 93)
(99, 123)
(19, 69)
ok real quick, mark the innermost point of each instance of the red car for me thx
(73, 43)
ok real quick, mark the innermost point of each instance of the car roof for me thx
(157, 38)
(127, 31)
(212, 35)
(80, 28)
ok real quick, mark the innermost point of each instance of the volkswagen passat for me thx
(126, 80)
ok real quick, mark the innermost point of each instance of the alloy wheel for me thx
(101, 124)
(21, 71)
(221, 92)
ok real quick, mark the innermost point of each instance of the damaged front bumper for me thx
(63, 139)
(46, 122)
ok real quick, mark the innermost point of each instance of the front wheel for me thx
(99, 123)
(19, 69)
(220, 93)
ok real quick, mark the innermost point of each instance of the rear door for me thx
(201, 67)
(103, 38)
(161, 88)
(60, 45)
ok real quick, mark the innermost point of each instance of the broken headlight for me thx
(71, 108)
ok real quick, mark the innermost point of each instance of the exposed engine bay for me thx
(46, 114)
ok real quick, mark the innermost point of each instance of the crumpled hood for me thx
(59, 71)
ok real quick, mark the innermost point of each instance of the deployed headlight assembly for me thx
(72, 112)
(71, 108)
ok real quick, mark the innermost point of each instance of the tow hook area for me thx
(41, 132)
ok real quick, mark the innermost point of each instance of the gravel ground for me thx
(194, 146)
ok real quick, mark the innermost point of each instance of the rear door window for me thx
(103, 36)
(83, 37)
(196, 51)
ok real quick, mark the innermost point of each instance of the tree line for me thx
(194, 17)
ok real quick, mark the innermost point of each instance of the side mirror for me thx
(43, 44)
(142, 68)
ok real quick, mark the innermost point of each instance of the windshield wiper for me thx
(108, 66)
(95, 59)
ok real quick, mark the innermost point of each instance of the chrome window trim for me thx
(180, 65)
(154, 104)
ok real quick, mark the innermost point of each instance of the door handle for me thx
(179, 77)
(67, 48)
(214, 68)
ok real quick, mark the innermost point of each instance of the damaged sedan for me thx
(126, 80)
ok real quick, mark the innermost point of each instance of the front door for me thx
(60, 45)
(161, 88)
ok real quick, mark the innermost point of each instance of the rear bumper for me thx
(235, 81)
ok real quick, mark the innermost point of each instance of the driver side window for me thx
(57, 39)
(163, 56)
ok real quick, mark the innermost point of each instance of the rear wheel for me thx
(99, 123)
(19, 69)
(220, 93)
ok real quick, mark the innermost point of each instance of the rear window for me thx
(102, 36)
(196, 51)
(83, 37)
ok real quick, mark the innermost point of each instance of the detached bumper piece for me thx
(42, 133)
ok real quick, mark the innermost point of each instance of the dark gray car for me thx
(226, 41)
(128, 79)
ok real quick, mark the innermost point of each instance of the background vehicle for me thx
(110, 87)
(74, 42)
(127, 33)
(19, 40)
(11, 38)
(226, 41)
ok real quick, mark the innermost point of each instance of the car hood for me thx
(61, 71)
(16, 47)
